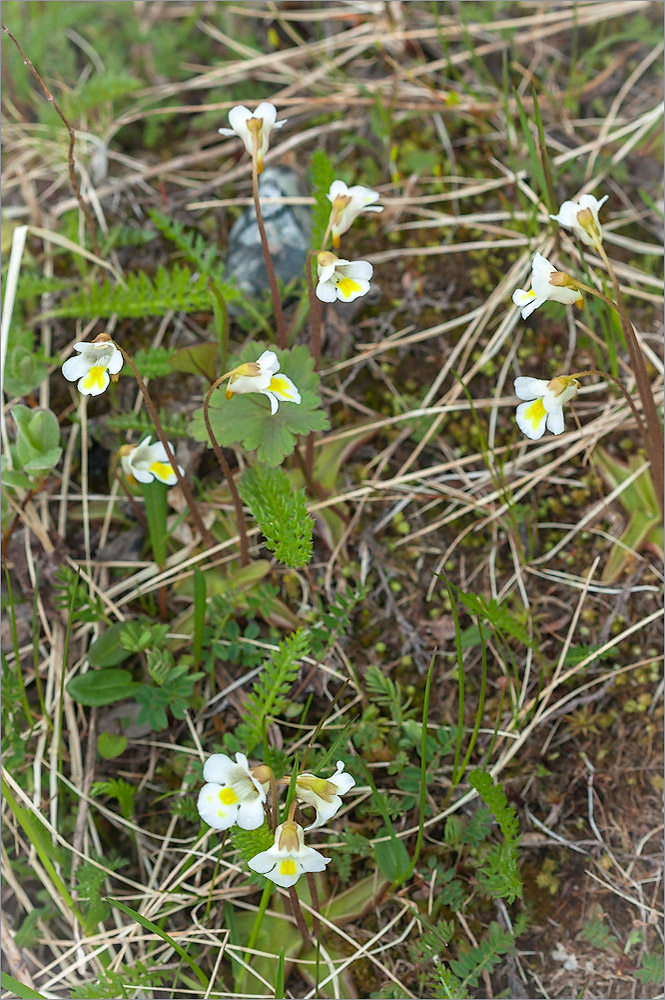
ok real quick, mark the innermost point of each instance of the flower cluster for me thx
(544, 400)
(236, 793)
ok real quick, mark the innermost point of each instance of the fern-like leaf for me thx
(499, 871)
(281, 513)
(271, 687)
(176, 289)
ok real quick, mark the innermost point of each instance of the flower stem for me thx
(620, 385)
(653, 436)
(274, 290)
(206, 537)
(235, 496)
(314, 895)
(298, 914)
(315, 333)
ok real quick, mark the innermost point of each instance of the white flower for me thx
(341, 279)
(145, 462)
(261, 376)
(545, 408)
(544, 286)
(288, 858)
(95, 362)
(324, 793)
(254, 128)
(582, 217)
(347, 204)
(233, 793)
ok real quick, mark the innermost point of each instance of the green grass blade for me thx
(156, 929)
(19, 989)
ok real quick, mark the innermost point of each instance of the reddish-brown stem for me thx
(73, 179)
(315, 333)
(297, 913)
(314, 895)
(282, 336)
(235, 496)
(206, 537)
(653, 434)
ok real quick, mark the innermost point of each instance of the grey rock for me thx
(287, 229)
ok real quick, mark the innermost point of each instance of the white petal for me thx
(268, 362)
(527, 426)
(116, 362)
(250, 814)
(532, 306)
(521, 297)
(541, 265)
(555, 421)
(342, 779)
(267, 112)
(226, 131)
(264, 862)
(326, 291)
(351, 296)
(282, 387)
(212, 811)
(140, 473)
(530, 388)
(326, 272)
(219, 768)
(238, 118)
(274, 405)
(314, 861)
(285, 881)
(97, 389)
(360, 269)
(75, 368)
(336, 189)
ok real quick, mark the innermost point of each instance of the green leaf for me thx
(644, 528)
(110, 745)
(392, 857)
(37, 437)
(156, 929)
(102, 687)
(201, 359)
(107, 649)
(247, 420)
(499, 872)
(281, 514)
(19, 989)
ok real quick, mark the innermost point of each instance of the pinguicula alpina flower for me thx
(324, 793)
(262, 376)
(234, 793)
(288, 858)
(145, 462)
(254, 128)
(582, 217)
(545, 402)
(341, 279)
(546, 284)
(347, 204)
(96, 363)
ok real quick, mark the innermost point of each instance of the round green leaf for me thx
(102, 687)
(110, 745)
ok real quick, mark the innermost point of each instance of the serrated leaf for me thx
(102, 687)
(247, 420)
(281, 514)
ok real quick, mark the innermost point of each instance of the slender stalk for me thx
(315, 334)
(206, 537)
(274, 814)
(653, 438)
(620, 385)
(314, 895)
(235, 496)
(73, 179)
(274, 290)
(298, 914)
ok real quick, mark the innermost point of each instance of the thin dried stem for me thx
(89, 218)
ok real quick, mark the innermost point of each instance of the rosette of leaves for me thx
(247, 420)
